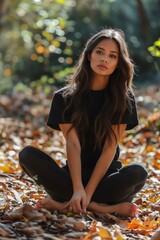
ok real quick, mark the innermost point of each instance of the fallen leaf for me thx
(156, 236)
(32, 215)
(27, 212)
(32, 230)
(104, 233)
(4, 233)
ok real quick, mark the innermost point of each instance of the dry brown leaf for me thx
(123, 224)
(62, 218)
(110, 217)
(2, 185)
(32, 214)
(20, 225)
(76, 224)
(14, 215)
(155, 207)
(76, 235)
(4, 233)
(48, 215)
(27, 212)
(17, 196)
(60, 226)
(156, 236)
(50, 236)
(80, 225)
(154, 215)
(33, 230)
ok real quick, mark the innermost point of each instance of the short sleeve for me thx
(130, 116)
(56, 114)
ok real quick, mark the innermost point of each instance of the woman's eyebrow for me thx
(110, 51)
(100, 48)
(114, 52)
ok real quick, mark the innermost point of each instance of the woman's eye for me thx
(99, 52)
(113, 56)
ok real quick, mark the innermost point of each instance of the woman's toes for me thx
(133, 209)
(39, 204)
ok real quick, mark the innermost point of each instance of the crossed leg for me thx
(114, 193)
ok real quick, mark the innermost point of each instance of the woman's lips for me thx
(102, 66)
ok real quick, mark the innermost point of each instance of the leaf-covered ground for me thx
(22, 122)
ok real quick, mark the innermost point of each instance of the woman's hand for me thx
(78, 201)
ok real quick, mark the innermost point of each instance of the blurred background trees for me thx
(42, 39)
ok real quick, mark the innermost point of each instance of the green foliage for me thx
(155, 49)
(35, 41)
(45, 37)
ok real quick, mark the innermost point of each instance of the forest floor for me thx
(23, 122)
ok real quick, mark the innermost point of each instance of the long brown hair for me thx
(120, 84)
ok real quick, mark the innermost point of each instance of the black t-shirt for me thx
(94, 103)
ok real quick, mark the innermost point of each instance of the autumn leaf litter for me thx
(22, 123)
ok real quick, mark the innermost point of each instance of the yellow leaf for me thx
(60, 1)
(153, 224)
(104, 233)
(118, 235)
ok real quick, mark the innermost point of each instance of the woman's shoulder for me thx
(65, 91)
(64, 94)
(60, 91)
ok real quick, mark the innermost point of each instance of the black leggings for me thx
(120, 186)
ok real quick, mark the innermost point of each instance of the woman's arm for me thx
(73, 153)
(73, 148)
(104, 161)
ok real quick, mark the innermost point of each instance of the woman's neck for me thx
(99, 83)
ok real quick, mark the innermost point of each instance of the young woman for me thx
(92, 111)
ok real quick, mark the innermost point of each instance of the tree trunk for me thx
(4, 8)
(143, 19)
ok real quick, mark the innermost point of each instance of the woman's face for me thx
(104, 58)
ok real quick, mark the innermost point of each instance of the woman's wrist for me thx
(77, 186)
(88, 191)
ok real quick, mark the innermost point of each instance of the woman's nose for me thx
(104, 59)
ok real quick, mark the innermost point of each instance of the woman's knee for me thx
(26, 153)
(140, 171)
(137, 171)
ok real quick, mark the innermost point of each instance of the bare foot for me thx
(126, 209)
(50, 204)
(122, 209)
